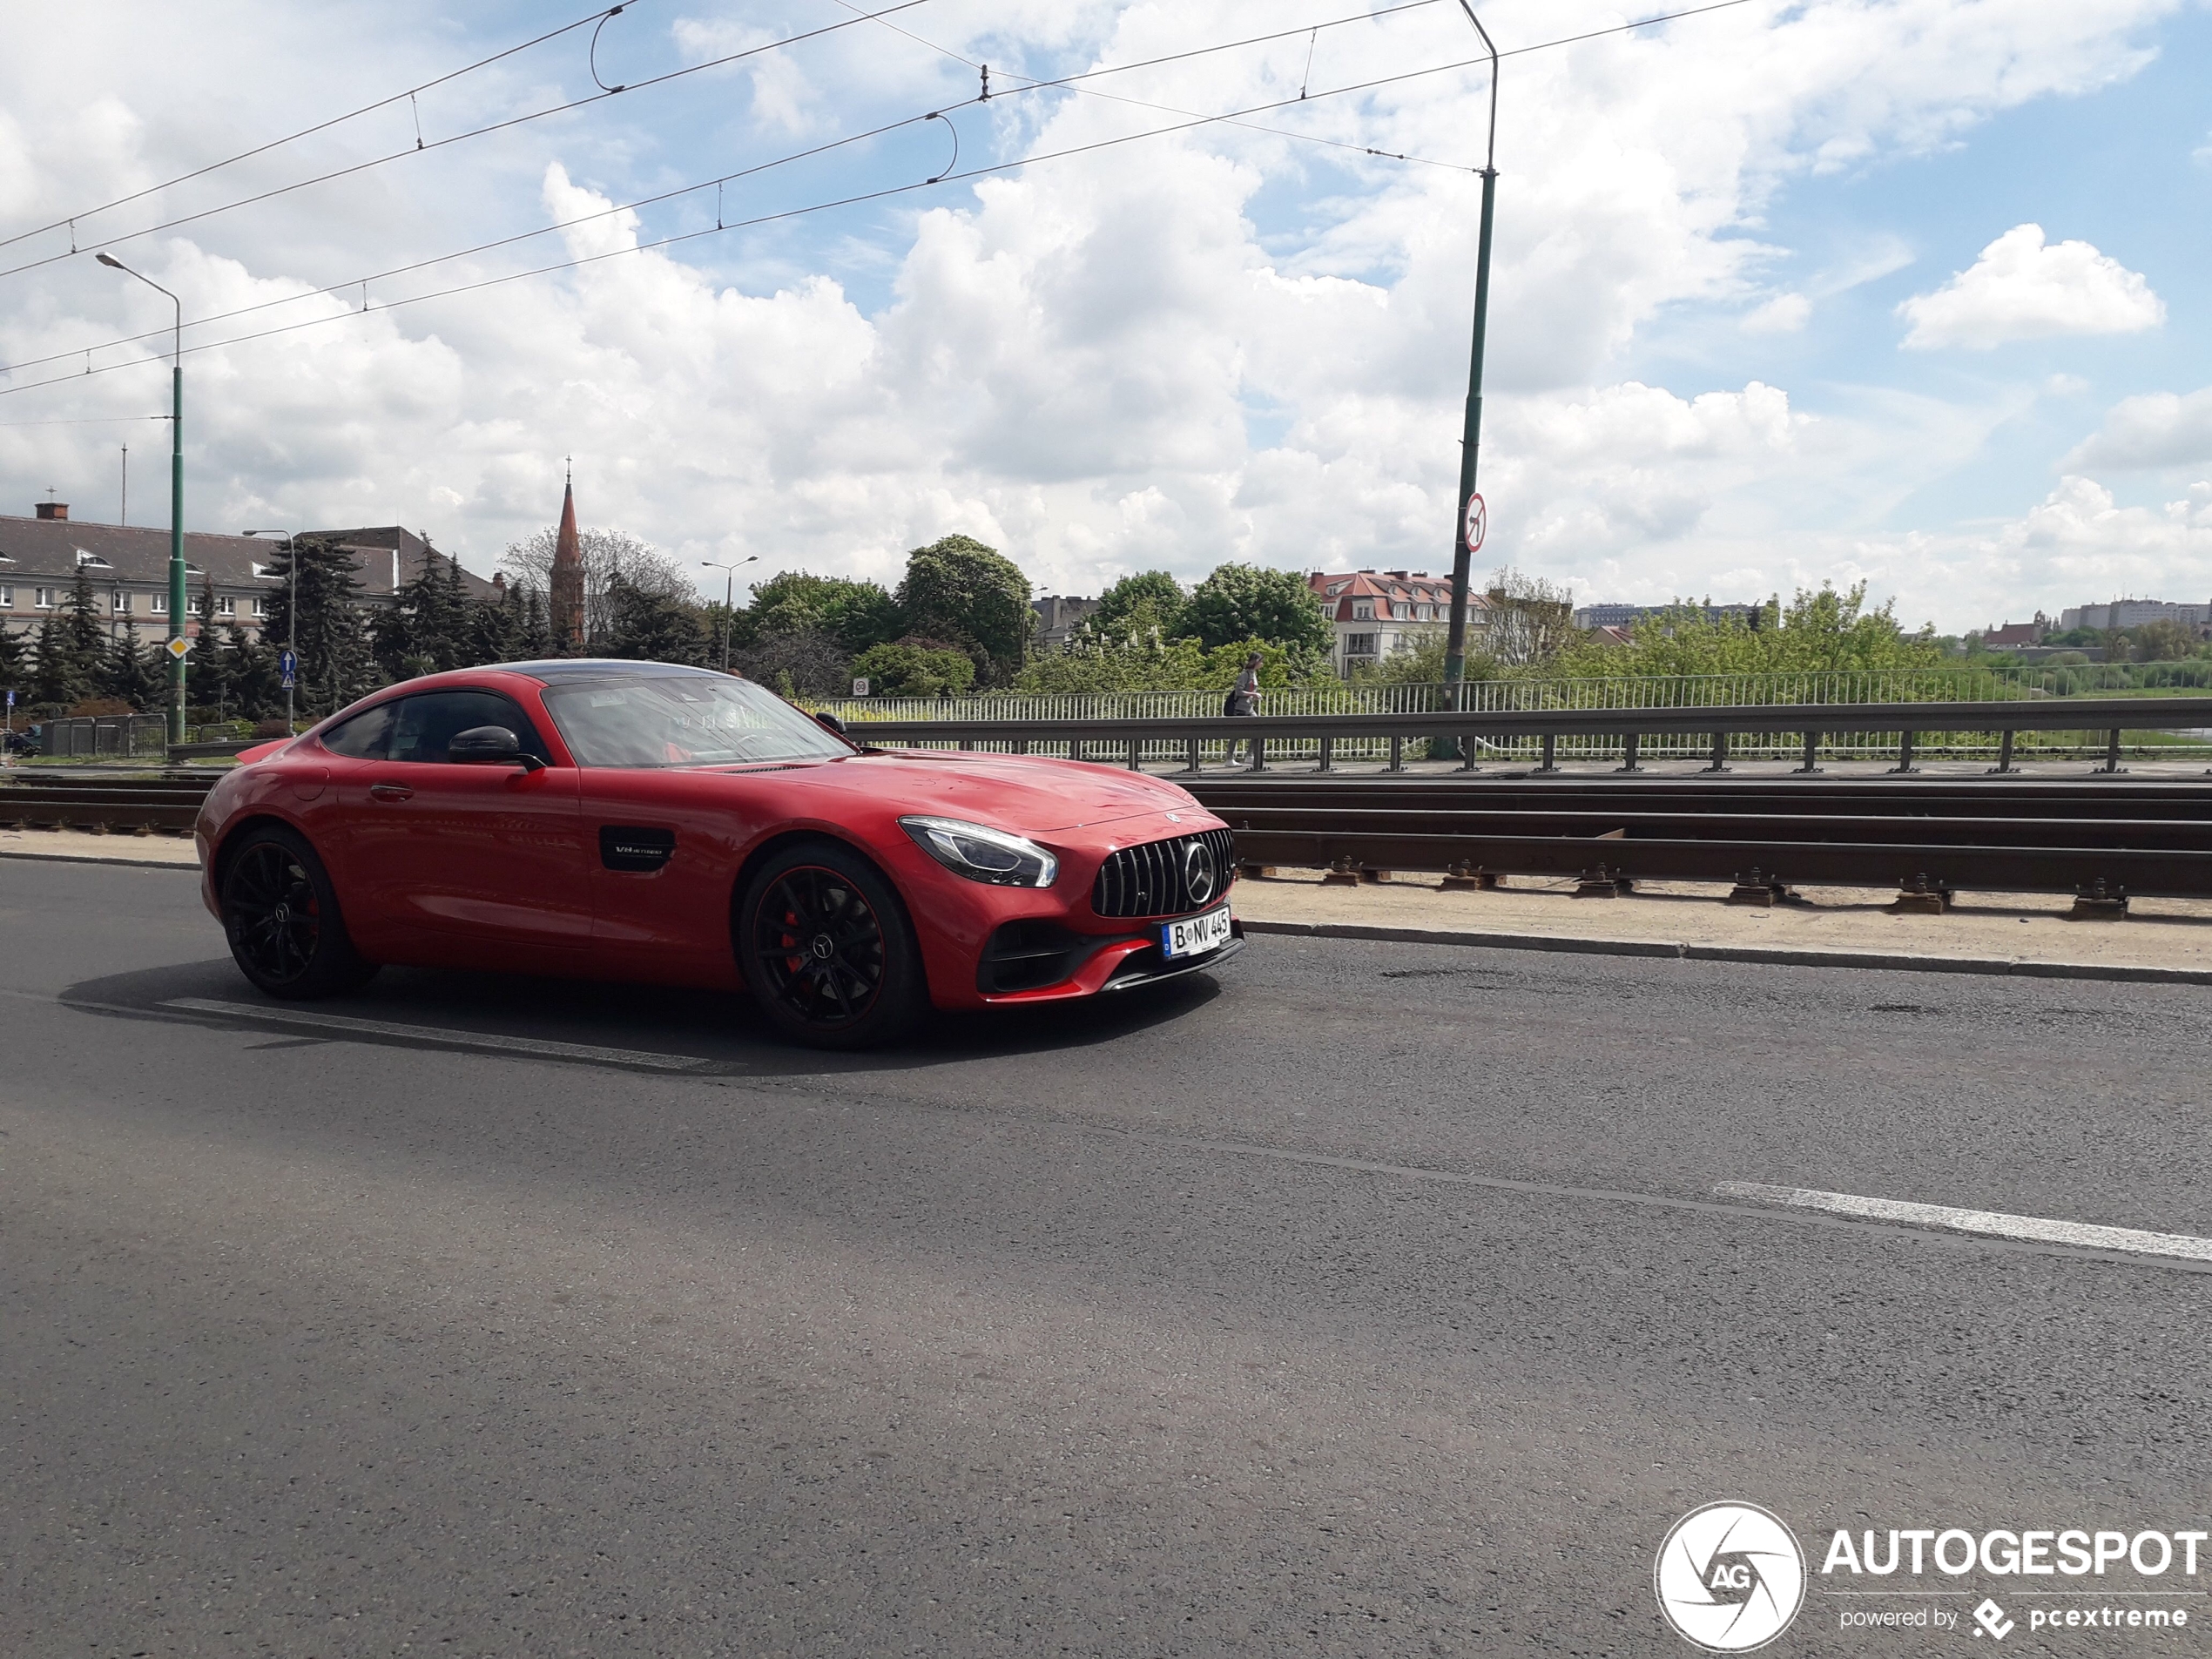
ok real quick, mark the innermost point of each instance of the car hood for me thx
(1030, 794)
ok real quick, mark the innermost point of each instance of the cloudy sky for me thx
(1914, 291)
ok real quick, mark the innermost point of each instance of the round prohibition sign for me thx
(1478, 521)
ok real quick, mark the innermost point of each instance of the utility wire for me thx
(307, 133)
(1026, 85)
(86, 420)
(1034, 157)
(1312, 31)
(419, 147)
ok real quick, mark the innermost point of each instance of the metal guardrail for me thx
(1131, 741)
(2102, 836)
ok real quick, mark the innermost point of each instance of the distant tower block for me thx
(565, 596)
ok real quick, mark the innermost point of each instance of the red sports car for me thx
(640, 821)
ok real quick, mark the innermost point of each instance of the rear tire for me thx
(280, 915)
(826, 950)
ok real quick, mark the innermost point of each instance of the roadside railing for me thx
(119, 736)
(2107, 728)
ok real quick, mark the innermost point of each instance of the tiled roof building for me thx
(1376, 612)
(129, 568)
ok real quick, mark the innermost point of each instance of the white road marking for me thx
(441, 1033)
(2036, 1229)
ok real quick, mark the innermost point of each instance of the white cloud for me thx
(2021, 289)
(1062, 360)
(2157, 430)
(1786, 313)
(2079, 544)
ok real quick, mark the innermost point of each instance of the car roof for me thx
(571, 668)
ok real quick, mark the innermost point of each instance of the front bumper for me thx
(1117, 963)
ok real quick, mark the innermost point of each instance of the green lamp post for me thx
(178, 645)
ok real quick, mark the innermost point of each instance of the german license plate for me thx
(1196, 935)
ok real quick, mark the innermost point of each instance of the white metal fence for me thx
(1654, 691)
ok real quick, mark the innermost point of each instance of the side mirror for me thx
(833, 722)
(489, 745)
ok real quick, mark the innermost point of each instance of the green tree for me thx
(15, 666)
(51, 683)
(855, 614)
(1241, 601)
(1819, 630)
(84, 638)
(653, 626)
(495, 630)
(130, 672)
(426, 629)
(957, 589)
(805, 662)
(914, 667)
(256, 684)
(212, 677)
(2164, 641)
(337, 662)
(1149, 664)
(535, 643)
(1138, 604)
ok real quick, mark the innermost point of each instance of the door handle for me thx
(390, 792)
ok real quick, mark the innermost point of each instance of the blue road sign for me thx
(288, 665)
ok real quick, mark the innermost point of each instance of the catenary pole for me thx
(1455, 642)
(177, 598)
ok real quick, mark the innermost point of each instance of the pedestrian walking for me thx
(1244, 700)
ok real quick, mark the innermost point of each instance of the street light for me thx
(728, 589)
(1455, 642)
(176, 500)
(290, 613)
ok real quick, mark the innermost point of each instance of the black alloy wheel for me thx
(280, 915)
(826, 949)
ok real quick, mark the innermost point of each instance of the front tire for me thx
(280, 915)
(826, 950)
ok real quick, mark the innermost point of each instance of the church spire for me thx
(566, 595)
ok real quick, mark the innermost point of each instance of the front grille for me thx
(1149, 881)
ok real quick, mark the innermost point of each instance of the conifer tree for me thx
(84, 638)
(255, 685)
(15, 664)
(130, 672)
(50, 681)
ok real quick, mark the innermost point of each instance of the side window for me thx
(364, 737)
(423, 727)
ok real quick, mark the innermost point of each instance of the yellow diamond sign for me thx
(178, 646)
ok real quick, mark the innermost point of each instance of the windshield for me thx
(683, 720)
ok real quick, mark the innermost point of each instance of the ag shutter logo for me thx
(1729, 1577)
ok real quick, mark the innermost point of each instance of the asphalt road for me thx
(1365, 1299)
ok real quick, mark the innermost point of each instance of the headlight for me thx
(983, 853)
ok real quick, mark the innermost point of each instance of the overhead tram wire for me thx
(68, 220)
(419, 147)
(1025, 85)
(860, 198)
(1312, 30)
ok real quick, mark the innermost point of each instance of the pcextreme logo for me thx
(1729, 1577)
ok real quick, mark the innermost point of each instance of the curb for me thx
(99, 858)
(2000, 967)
